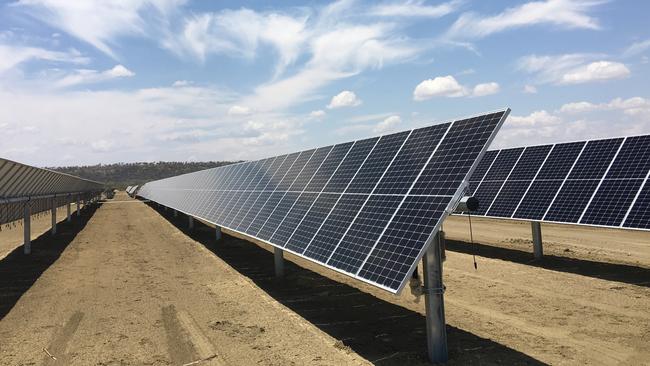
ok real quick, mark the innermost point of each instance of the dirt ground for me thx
(12, 234)
(128, 288)
(133, 286)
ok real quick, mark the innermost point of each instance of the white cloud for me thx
(317, 114)
(637, 48)
(530, 89)
(440, 86)
(11, 56)
(388, 124)
(577, 121)
(101, 145)
(152, 123)
(182, 83)
(414, 8)
(448, 86)
(630, 106)
(596, 71)
(85, 76)
(486, 89)
(536, 119)
(572, 68)
(100, 23)
(562, 13)
(238, 110)
(345, 98)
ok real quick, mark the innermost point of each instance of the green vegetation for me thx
(122, 175)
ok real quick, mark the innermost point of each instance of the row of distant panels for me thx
(365, 208)
(597, 182)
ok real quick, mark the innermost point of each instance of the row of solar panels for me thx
(366, 208)
(598, 182)
(20, 180)
(22, 185)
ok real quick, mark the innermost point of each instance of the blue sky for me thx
(85, 82)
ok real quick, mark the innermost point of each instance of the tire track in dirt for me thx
(61, 339)
(185, 341)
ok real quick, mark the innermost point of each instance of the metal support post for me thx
(217, 233)
(538, 250)
(434, 303)
(278, 257)
(190, 222)
(27, 226)
(69, 212)
(53, 214)
(78, 207)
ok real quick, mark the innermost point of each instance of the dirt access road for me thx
(133, 287)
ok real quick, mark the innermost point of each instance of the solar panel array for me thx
(365, 208)
(22, 184)
(597, 182)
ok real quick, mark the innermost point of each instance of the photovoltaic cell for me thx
(350, 165)
(455, 155)
(639, 216)
(293, 218)
(374, 167)
(310, 168)
(334, 227)
(364, 232)
(396, 250)
(411, 159)
(352, 206)
(633, 161)
(592, 182)
(485, 194)
(560, 161)
(279, 213)
(503, 164)
(324, 173)
(518, 182)
(595, 159)
(310, 223)
(536, 201)
(571, 201)
(484, 165)
(506, 202)
(613, 198)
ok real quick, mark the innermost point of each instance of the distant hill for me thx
(122, 175)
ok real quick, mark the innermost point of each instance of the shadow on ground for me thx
(379, 331)
(18, 271)
(606, 271)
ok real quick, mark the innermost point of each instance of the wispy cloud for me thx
(572, 68)
(100, 23)
(637, 48)
(87, 76)
(560, 13)
(241, 33)
(414, 8)
(11, 56)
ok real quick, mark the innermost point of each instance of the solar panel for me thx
(366, 208)
(598, 182)
(24, 186)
